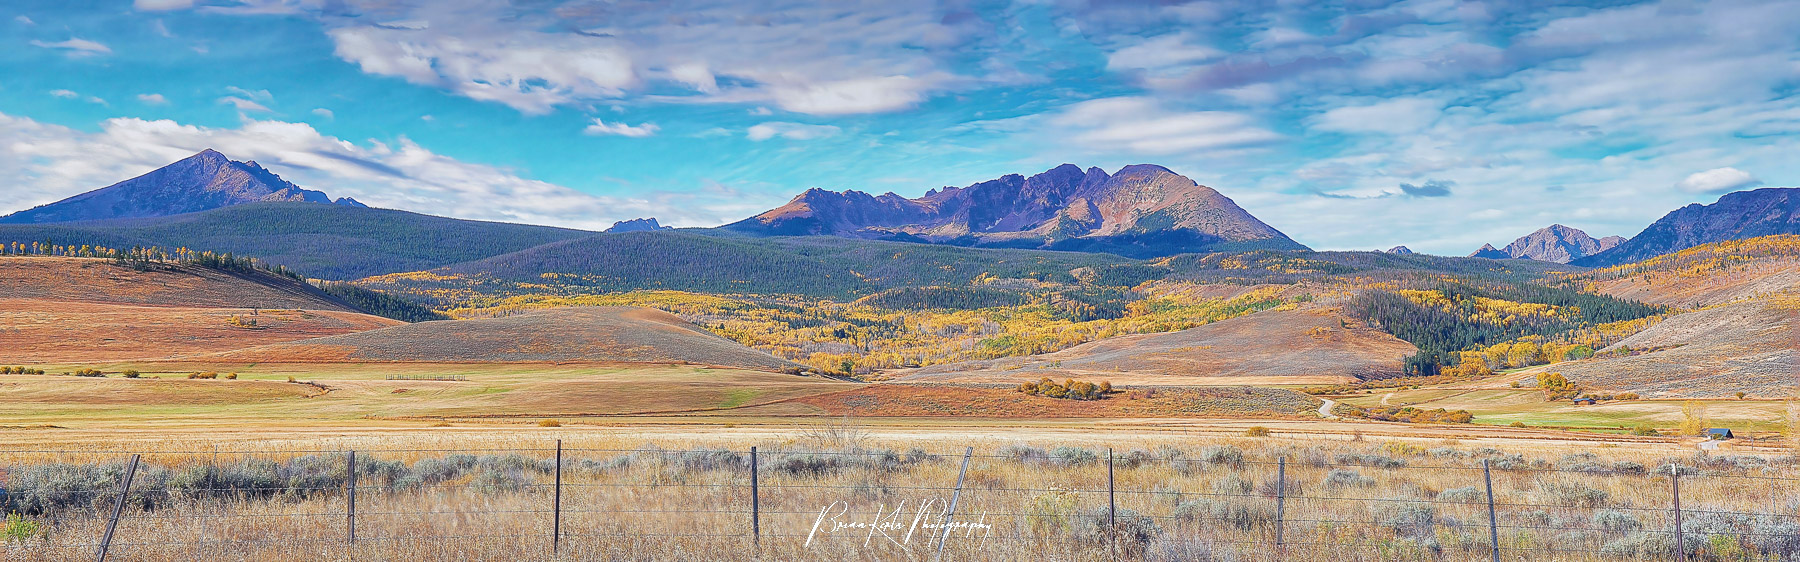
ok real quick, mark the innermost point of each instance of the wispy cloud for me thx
(600, 127)
(790, 131)
(76, 47)
(153, 99)
(244, 104)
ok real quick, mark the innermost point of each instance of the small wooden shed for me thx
(1586, 401)
(1719, 433)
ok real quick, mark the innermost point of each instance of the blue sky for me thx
(1347, 125)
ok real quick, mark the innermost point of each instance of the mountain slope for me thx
(335, 242)
(1143, 210)
(204, 181)
(1739, 215)
(1750, 346)
(1558, 243)
(722, 263)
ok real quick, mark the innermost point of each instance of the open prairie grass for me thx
(685, 499)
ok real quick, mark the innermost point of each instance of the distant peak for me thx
(636, 225)
(1399, 250)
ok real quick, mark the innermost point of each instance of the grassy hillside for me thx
(325, 241)
(1703, 275)
(593, 334)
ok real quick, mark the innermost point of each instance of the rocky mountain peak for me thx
(206, 180)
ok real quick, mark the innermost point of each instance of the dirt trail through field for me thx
(1385, 397)
(1325, 409)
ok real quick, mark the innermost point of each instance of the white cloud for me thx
(243, 104)
(823, 59)
(51, 162)
(65, 94)
(1160, 53)
(528, 70)
(76, 47)
(24, 20)
(635, 131)
(1143, 126)
(1396, 116)
(1717, 180)
(161, 5)
(790, 131)
(322, 112)
(152, 99)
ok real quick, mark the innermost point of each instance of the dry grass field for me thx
(39, 331)
(674, 494)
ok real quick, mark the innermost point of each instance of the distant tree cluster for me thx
(1456, 317)
(1070, 389)
(379, 303)
(1409, 414)
(89, 373)
(20, 371)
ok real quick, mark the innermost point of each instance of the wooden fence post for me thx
(1280, 504)
(1493, 525)
(755, 503)
(350, 489)
(556, 505)
(118, 508)
(955, 497)
(1675, 493)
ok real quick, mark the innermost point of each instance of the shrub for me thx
(1173, 549)
(1339, 477)
(1645, 431)
(1257, 431)
(549, 423)
(232, 376)
(1614, 521)
(1236, 515)
(18, 528)
(1516, 424)
(1097, 525)
(1223, 454)
(1467, 494)
(1074, 456)
(89, 373)
(130, 374)
(1369, 460)
(1231, 485)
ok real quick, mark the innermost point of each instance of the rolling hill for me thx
(1306, 346)
(56, 310)
(559, 335)
(1142, 211)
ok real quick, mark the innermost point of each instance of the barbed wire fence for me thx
(782, 503)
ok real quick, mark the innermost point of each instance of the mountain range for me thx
(1143, 210)
(1736, 216)
(1554, 243)
(207, 180)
